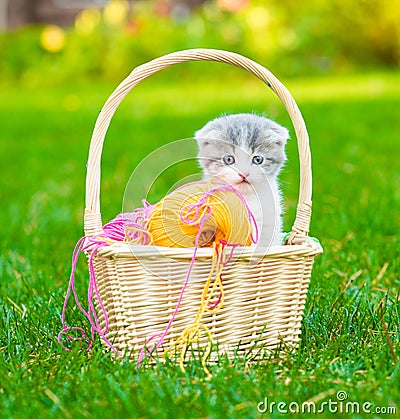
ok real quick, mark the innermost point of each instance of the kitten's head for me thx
(242, 149)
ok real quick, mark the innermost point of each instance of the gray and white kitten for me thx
(248, 151)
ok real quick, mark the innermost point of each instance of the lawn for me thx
(350, 340)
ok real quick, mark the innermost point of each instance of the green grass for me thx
(350, 339)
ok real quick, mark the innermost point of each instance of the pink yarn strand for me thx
(146, 352)
(90, 314)
(71, 287)
(134, 227)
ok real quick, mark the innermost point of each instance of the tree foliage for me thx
(293, 38)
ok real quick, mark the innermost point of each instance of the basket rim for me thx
(309, 247)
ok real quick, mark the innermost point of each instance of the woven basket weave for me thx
(140, 286)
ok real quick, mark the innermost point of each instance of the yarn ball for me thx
(200, 214)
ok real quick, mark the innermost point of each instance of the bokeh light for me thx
(87, 21)
(52, 38)
(232, 5)
(116, 12)
(258, 17)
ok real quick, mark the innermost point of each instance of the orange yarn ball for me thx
(200, 213)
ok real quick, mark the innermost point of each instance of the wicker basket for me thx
(140, 286)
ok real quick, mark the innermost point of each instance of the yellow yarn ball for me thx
(176, 220)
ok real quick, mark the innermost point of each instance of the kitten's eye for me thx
(258, 159)
(228, 160)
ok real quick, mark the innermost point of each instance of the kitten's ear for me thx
(281, 134)
(201, 141)
(201, 137)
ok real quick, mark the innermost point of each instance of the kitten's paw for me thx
(206, 238)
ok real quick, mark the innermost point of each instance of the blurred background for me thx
(58, 40)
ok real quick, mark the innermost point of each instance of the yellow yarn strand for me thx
(142, 235)
(200, 214)
(192, 334)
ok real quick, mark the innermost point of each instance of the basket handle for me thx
(92, 220)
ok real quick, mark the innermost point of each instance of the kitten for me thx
(248, 151)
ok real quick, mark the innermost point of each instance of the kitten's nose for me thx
(244, 175)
